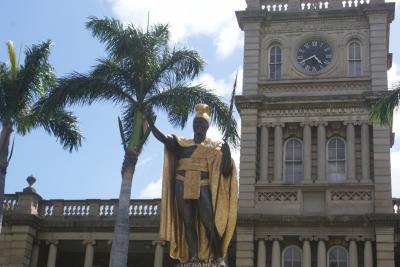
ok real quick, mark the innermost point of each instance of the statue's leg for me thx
(206, 217)
(186, 212)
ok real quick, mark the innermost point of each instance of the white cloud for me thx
(222, 87)
(395, 169)
(187, 18)
(144, 161)
(152, 190)
(215, 134)
(393, 74)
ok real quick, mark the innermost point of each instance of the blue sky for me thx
(208, 26)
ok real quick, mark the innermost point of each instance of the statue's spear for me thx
(229, 122)
(225, 139)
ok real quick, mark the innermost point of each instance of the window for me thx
(337, 257)
(275, 63)
(292, 257)
(294, 161)
(336, 169)
(354, 57)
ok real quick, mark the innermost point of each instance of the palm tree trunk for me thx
(4, 143)
(120, 243)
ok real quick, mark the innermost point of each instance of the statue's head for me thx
(201, 122)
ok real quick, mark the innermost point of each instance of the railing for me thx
(308, 5)
(10, 202)
(89, 207)
(396, 205)
(103, 208)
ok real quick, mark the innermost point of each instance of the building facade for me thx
(315, 185)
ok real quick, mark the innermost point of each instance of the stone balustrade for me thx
(10, 201)
(83, 208)
(307, 5)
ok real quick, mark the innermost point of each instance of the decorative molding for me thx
(351, 195)
(318, 24)
(265, 196)
(335, 87)
(300, 111)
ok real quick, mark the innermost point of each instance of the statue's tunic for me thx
(206, 158)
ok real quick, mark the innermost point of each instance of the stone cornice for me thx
(362, 102)
(309, 221)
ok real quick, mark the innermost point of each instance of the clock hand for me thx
(317, 59)
(304, 60)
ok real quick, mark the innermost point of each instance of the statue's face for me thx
(200, 127)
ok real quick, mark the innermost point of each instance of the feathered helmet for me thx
(203, 111)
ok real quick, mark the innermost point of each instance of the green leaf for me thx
(122, 133)
(13, 59)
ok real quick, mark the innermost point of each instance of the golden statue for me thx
(199, 194)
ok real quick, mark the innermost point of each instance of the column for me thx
(276, 253)
(278, 155)
(89, 252)
(306, 251)
(35, 254)
(109, 242)
(321, 260)
(321, 151)
(365, 153)
(353, 255)
(52, 257)
(261, 253)
(307, 151)
(351, 151)
(385, 243)
(264, 154)
(368, 254)
(158, 253)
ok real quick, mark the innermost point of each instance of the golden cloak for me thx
(171, 225)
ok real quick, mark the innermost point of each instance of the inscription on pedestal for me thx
(199, 264)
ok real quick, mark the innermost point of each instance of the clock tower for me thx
(315, 184)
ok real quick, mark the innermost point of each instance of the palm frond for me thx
(158, 36)
(119, 74)
(3, 71)
(121, 43)
(109, 31)
(36, 76)
(13, 60)
(128, 122)
(122, 134)
(82, 89)
(179, 102)
(60, 123)
(382, 110)
(173, 67)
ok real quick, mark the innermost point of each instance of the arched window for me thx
(337, 257)
(292, 257)
(354, 58)
(336, 167)
(293, 161)
(275, 63)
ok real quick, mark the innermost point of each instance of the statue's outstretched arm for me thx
(167, 140)
(226, 164)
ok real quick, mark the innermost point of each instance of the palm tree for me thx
(23, 90)
(382, 111)
(142, 75)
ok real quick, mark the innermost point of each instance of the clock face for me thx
(314, 55)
